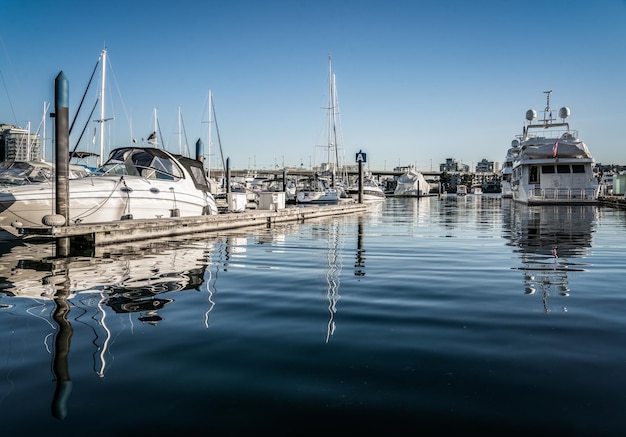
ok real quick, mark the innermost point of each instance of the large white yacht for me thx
(507, 169)
(553, 165)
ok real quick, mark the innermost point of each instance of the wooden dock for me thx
(134, 230)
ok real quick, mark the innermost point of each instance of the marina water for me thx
(425, 315)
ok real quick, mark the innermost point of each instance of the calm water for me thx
(420, 316)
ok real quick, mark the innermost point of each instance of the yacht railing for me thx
(563, 194)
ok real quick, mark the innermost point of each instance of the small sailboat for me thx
(326, 187)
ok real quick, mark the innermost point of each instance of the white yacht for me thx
(135, 183)
(553, 165)
(507, 169)
(411, 184)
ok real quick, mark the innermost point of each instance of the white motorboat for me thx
(135, 183)
(317, 190)
(553, 165)
(372, 190)
(411, 184)
(476, 189)
(461, 190)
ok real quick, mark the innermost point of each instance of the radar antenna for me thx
(548, 109)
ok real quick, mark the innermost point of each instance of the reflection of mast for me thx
(332, 277)
(208, 287)
(105, 345)
(61, 351)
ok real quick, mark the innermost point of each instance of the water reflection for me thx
(131, 280)
(552, 241)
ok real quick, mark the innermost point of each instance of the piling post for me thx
(361, 158)
(199, 155)
(62, 154)
(360, 182)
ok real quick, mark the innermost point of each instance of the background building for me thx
(18, 144)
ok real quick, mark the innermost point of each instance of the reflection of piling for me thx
(62, 163)
(359, 265)
(61, 351)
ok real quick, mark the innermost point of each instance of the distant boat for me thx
(372, 190)
(135, 183)
(461, 190)
(553, 165)
(13, 173)
(476, 189)
(507, 169)
(316, 189)
(411, 184)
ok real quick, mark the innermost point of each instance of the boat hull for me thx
(103, 199)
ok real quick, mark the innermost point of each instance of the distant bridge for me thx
(303, 173)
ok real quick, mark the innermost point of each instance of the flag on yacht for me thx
(555, 148)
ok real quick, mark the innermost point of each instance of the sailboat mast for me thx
(330, 119)
(209, 136)
(103, 68)
(180, 142)
(43, 136)
(156, 135)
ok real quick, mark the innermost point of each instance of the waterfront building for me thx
(18, 144)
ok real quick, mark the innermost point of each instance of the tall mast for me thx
(209, 136)
(331, 117)
(156, 136)
(28, 142)
(104, 69)
(180, 143)
(43, 136)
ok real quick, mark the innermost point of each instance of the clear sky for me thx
(417, 81)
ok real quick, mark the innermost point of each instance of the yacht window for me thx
(562, 168)
(578, 168)
(546, 169)
(533, 175)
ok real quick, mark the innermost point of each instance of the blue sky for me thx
(417, 82)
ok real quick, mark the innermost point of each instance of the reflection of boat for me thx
(553, 165)
(550, 239)
(461, 190)
(135, 183)
(411, 184)
(138, 281)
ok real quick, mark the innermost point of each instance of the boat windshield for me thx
(147, 163)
